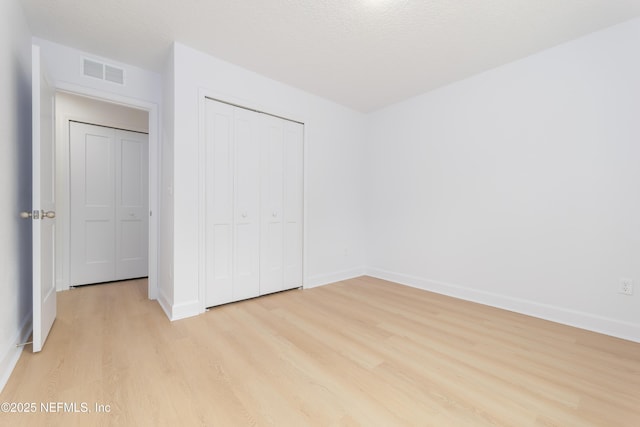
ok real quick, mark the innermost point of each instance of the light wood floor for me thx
(360, 352)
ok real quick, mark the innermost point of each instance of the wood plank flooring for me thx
(363, 352)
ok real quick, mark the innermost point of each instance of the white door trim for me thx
(154, 168)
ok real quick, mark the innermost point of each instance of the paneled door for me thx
(219, 203)
(272, 192)
(43, 204)
(246, 194)
(232, 204)
(254, 203)
(293, 204)
(109, 204)
(281, 205)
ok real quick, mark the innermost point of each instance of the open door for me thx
(43, 204)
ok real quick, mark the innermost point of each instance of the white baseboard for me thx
(591, 322)
(165, 304)
(12, 353)
(325, 279)
(178, 311)
(185, 309)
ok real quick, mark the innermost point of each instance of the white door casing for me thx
(108, 198)
(43, 204)
(137, 102)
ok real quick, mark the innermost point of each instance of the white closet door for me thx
(246, 281)
(109, 199)
(132, 176)
(219, 202)
(254, 203)
(272, 227)
(293, 203)
(92, 160)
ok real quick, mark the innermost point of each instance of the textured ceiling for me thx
(364, 54)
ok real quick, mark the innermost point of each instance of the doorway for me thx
(70, 109)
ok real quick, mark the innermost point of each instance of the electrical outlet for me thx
(626, 286)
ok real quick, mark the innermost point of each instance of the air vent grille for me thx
(113, 74)
(98, 70)
(93, 69)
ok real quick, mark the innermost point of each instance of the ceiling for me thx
(364, 54)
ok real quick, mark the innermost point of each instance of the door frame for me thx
(154, 177)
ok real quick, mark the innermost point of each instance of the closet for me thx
(254, 203)
(109, 204)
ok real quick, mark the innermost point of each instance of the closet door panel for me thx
(272, 178)
(132, 226)
(246, 283)
(293, 203)
(254, 203)
(219, 203)
(109, 204)
(92, 159)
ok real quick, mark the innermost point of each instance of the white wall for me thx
(334, 137)
(87, 110)
(165, 248)
(15, 191)
(64, 67)
(518, 187)
(142, 90)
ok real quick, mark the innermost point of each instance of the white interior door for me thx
(254, 203)
(92, 199)
(219, 203)
(246, 271)
(43, 206)
(132, 200)
(232, 204)
(272, 180)
(109, 199)
(281, 206)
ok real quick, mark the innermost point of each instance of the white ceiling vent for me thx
(102, 71)
(113, 74)
(93, 69)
